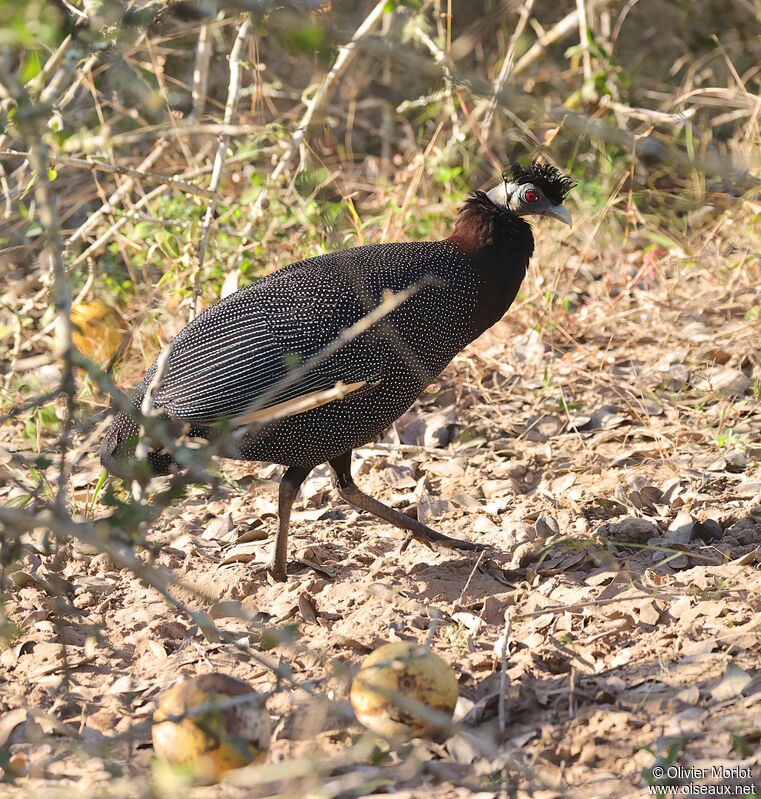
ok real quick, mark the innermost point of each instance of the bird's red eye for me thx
(531, 196)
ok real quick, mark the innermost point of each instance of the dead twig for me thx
(231, 107)
(503, 678)
(442, 62)
(586, 59)
(204, 50)
(464, 591)
(115, 169)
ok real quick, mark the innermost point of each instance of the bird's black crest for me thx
(550, 180)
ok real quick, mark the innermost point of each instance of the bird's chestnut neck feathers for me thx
(492, 222)
(483, 228)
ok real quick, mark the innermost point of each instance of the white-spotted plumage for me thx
(240, 349)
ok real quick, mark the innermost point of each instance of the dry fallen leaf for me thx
(731, 684)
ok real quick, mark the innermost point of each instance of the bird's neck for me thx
(484, 232)
(498, 246)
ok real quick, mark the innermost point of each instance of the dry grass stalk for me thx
(116, 169)
(204, 51)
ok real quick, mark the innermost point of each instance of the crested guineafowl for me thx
(363, 331)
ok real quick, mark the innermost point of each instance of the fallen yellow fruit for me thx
(394, 681)
(98, 330)
(198, 727)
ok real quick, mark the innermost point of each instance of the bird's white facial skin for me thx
(525, 199)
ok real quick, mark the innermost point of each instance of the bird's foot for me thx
(432, 538)
(278, 572)
(269, 571)
(276, 576)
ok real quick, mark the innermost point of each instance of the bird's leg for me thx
(289, 489)
(349, 491)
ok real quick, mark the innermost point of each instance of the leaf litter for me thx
(615, 477)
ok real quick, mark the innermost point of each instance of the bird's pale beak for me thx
(560, 212)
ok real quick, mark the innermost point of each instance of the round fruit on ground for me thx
(196, 726)
(98, 330)
(411, 671)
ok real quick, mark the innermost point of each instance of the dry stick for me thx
(435, 619)
(572, 694)
(648, 114)
(298, 405)
(71, 92)
(345, 56)
(554, 34)
(580, 607)
(102, 166)
(503, 673)
(584, 39)
(201, 69)
(507, 64)
(233, 95)
(39, 81)
(464, 591)
(5, 186)
(77, 143)
(387, 118)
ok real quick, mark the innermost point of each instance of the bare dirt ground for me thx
(609, 453)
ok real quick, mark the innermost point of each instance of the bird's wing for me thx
(231, 360)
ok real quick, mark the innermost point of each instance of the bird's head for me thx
(537, 189)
